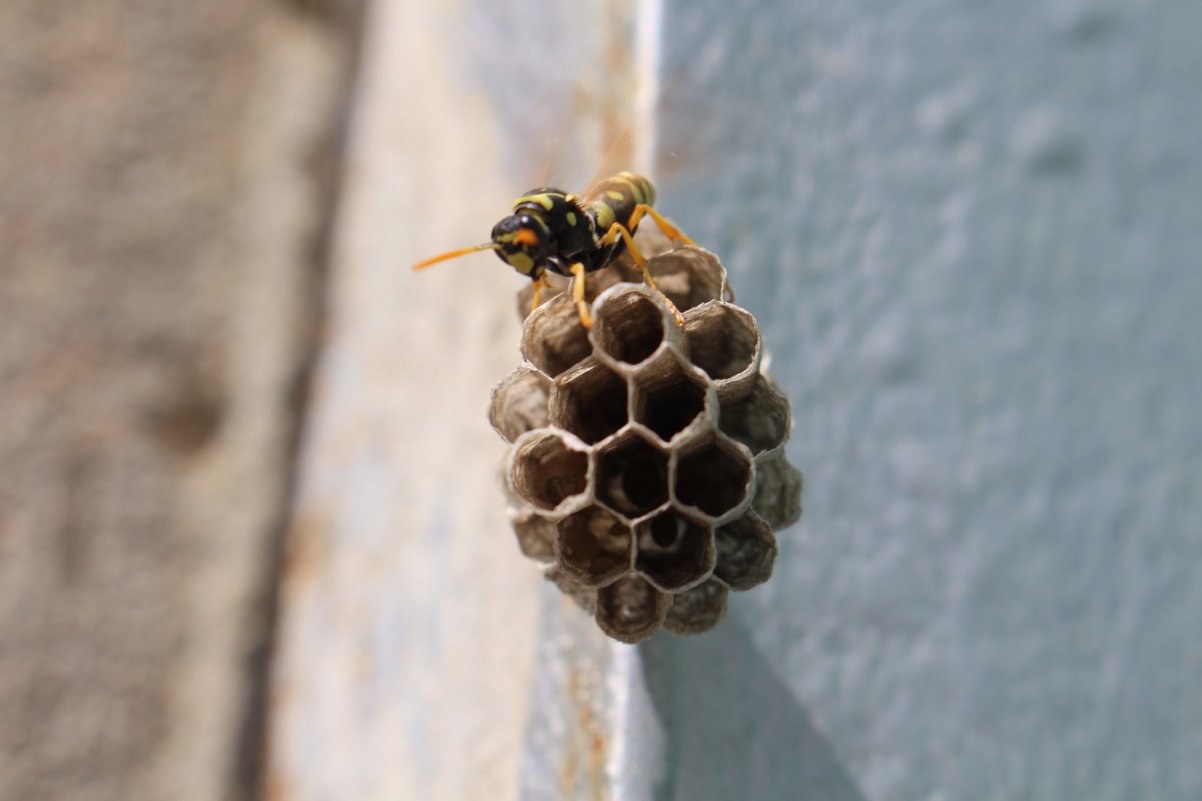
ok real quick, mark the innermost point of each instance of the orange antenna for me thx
(453, 254)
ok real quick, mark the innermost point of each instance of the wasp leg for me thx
(670, 230)
(540, 284)
(578, 294)
(618, 230)
(611, 236)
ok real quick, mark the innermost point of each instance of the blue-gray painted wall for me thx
(972, 232)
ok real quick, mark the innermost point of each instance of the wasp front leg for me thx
(540, 284)
(578, 280)
(618, 230)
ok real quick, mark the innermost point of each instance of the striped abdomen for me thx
(614, 199)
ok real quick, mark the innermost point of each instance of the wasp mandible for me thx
(572, 235)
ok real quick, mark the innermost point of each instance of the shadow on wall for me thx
(733, 729)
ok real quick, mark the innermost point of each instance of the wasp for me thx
(573, 235)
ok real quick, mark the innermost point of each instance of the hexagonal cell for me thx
(590, 400)
(674, 551)
(724, 341)
(778, 490)
(697, 610)
(600, 280)
(668, 395)
(535, 535)
(712, 475)
(584, 597)
(514, 501)
(519, 403)
(553, 339)
(557, 285)
(595, 283)
(629, 323)
(632, 475)
(746, 552)
(594, 546)
(688, 275)
(546, 469)
(760, 420)
(630, 609)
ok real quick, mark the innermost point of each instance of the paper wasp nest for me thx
(647, 468)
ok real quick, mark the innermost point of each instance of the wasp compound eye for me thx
(650, 488)
(504, 231)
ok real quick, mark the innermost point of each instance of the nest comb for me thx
(647, 469)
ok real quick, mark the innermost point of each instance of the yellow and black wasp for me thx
(572, 235)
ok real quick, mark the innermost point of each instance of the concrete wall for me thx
(972, 234)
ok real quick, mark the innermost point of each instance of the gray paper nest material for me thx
(647, 469)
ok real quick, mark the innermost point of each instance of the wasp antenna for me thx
(453, 254)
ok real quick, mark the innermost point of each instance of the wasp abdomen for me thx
(615, 199)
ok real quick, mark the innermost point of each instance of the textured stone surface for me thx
(159, 213)
(971, 235)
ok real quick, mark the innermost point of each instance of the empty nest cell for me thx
(629, 324)
(669, 395)
(594, 546)
(555, 286)
(673, 551)
(590, 401)
(632, 475)
(553, 339)
(712, 476)
(547, 470)
(689, 276)
(519, 403)
(595, 283)
(724, 342)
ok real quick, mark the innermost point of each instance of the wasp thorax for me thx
(523, 241)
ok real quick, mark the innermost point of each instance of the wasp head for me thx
(523, 242)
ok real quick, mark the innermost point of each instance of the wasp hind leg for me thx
(670, 230)
(618, 230)
(578, 278)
